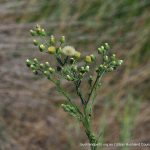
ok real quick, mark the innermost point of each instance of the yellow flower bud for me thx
(88, 59)
(51, 49)
(77, 54)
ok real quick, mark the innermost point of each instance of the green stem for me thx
(98, 78)
(87, 124)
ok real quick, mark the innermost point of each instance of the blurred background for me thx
(30, 113)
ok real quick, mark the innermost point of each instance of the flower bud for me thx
(97, 69)
(77, 54)
(106, 58)
(35, 42)
(101, 50)
(58, 50)
(87, 68)
(47, 64)
(46, 73)
(101, 66)
(35, 60)
(33, 33)
(107, 46)
(51, 50)
(105, 67)
(51, 70)
(42, 65)
(32, 67)
(42, 32)
(72, 60)
(120, 62)
(38, 30)
(110, 69)
(62, 40)
(28, 62)
(69, 78)
(114, 62)
(42, 47)
(88, 59)
(52, 40)
(113, 57)
(74, 68)
(92, 57)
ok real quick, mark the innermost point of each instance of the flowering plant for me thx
(68, 68)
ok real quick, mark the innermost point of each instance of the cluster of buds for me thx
(90, 58)
(71, 110)
(67, 58)
(110, 62)
(38, 67)
(53, 46)
(38, 31)
(67, 67)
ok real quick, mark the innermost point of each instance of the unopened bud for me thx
(77, 54)
(47, 64)
(46, 73)
(52, 40)
(51, 49)
(33, 33)
(28, 62)
(107, 46)
(110, 69)
(35, 42)
(72, 60)
(69, 78)
(101, 50)
(62, 40)
(51, 70)
(106, 58)
(32, 67)
(74, 68)
(113, 57)
(35, 60)
(42, 32)
(42, 47)
(114, 62)
(120, 62)
(92, 57)
(42, 65)
(87, 68)
(88, 59)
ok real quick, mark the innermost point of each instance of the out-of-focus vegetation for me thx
(29, 114)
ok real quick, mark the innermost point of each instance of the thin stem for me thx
(66, 95)
(59, 61)
(99, 76)
(88, 128)
(77, 85)
(65, 61)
